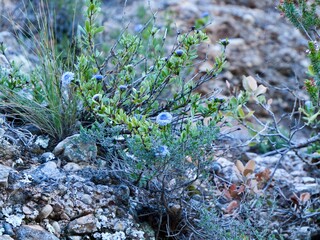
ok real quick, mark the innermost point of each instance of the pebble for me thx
(26, 210)
(46, 157)
(56, 227)
(85, 198)
(46, 211)
(71, 167)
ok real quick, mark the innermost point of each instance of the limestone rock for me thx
(82, 225)
(75, 149)
(34, 232)
(46, 172)
(4, 174)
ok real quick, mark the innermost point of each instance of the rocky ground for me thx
(67, 192)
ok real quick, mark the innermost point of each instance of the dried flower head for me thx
(67, 78)
(164, 118)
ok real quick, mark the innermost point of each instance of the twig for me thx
(295, 146)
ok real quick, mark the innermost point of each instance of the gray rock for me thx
(8, 230)
(7, 151)
(46, 157)
(75, 149)
(6, 237)
(34, 232)
(56, 227)
(312, 188)
(308, 180)
(82, 225)
(14, 52)
(42, 141)
(46, 172)
(71, 167)
(4, 174)
(86, 198)
(228, 169)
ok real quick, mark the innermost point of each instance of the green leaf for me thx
(87, 26)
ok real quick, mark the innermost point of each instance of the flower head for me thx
(98, 77)
(162, 151)
(123, 88)
(179, 52)
(164, 118)
(138, 28)
(67, 78)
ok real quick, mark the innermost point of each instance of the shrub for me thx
(138, 102)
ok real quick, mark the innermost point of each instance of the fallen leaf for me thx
(263, 176)
(240, 166)
(232, 206)
(304, 197)
(249, 168)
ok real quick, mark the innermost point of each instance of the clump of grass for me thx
(43, 104)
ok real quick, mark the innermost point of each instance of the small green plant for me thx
(304, 15)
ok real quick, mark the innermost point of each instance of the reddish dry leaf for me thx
(232, 206)
(263, 176)
(236, 191)
(295, 200)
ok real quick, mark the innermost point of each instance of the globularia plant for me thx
(139, 99)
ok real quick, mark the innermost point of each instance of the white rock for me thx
(312, 188)
(308, 180)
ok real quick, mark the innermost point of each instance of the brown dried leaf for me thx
(240, 166)
(249, 168)
(263, 176)
(304, 197)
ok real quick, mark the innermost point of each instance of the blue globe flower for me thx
(164, 118)
(98, 77)
(123, 88)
